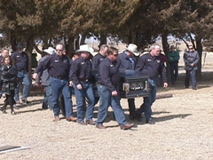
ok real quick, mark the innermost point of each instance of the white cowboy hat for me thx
(50, 50)
(85, 48)
(134, 49)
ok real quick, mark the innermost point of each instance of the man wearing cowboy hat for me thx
(44, 79)
(81, 77)
(128, 62)
(59, 66)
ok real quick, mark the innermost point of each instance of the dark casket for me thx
(133, 85)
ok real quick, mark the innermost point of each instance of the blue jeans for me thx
(106, 99)
(23, 77)
(61, 86)
(191, 73)
(81, 94)
(148, 101)
(48, 96)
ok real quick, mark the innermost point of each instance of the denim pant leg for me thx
(148, 101)
(187, 78)
(20, 76)
(193, 78)
(172, 72)
(48, 92)
(91, 101)
(176, 71)
(27, 85)
(67, 99)
(118, 111)
(56, 86)
(45, 101)
(80, 100)
(104, 102)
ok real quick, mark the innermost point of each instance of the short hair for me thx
(111, 50)
(60, 44)
(103, 46)
(155, 46)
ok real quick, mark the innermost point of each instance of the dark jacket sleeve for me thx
(73, 75)
(140, 64)
(105, 77)
(44, 64)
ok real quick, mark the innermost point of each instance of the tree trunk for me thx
(29, 49)
(103, 39)
(13, 41)
(165, 46)
(200, 50)
(70, 46)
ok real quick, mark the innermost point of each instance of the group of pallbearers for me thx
(57, 73)
(78, 73)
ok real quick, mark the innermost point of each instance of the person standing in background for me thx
(4, 53)
(173, 59)
(191, 59)
(21, 61)
(8, 77)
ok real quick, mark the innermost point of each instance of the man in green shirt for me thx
(173, 58)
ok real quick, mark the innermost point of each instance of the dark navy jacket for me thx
(96, 60)
(151, 66)
(21, 60)
(58, 66)
(81, 71)
(109, 74)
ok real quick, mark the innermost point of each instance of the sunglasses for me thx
(115, 55)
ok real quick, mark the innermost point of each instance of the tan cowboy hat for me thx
(85, 48)
(50, 50)
(134, 49)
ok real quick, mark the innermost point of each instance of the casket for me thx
(133, 85)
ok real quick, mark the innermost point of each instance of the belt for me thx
(58, 77)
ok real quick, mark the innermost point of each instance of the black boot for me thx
(44, 105)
